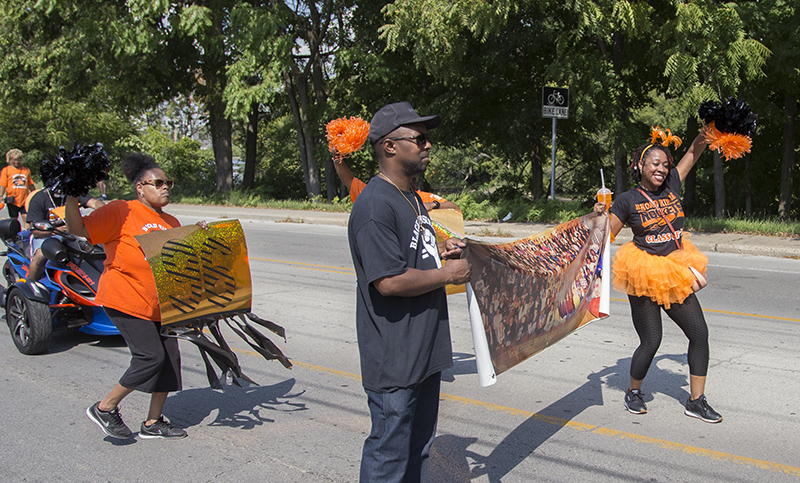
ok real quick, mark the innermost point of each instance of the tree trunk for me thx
(787, 168)
(330, 179)
(690, 183)
(213, 71)
(620, 167)
(294, 91)
(537, 166)
(748, 187)
(250, 143)
(314, 183)
(620, 154)
(221, 142)
(719, 186)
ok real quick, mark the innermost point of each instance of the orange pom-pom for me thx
(730, 145)
(346, 136)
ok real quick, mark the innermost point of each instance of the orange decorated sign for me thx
(199, 272)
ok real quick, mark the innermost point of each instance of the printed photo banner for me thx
(199, 273)
(528, 294)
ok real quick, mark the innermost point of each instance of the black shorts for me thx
(155, 359)
(14, 210)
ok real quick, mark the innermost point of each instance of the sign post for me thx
(555, 104)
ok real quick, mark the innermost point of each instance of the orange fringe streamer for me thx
(346, 136)
(667, 137)
(730, 145)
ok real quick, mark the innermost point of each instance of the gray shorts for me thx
(36, 243)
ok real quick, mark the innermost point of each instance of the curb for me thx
(769, 246)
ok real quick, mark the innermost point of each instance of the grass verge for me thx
(517, 209)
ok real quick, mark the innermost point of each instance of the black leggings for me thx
(647, 321)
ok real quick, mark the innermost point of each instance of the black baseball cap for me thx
(391, 116)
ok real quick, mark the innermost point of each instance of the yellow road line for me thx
(308, 266)
(326, 370)
(567, 423)
(717, 455)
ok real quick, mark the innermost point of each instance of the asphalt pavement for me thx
(771, 246)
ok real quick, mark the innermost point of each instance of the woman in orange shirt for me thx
(15, 185)
(128, 294)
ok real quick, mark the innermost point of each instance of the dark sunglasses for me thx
(421, 140)
(158, 183)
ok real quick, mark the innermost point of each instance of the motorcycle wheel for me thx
(29, 322)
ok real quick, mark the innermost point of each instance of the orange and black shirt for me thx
(650, 231)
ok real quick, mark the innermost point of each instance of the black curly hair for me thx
(636, 174)
(136, 164)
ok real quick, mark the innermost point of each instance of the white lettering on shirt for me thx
(663, 237)
(153, 226)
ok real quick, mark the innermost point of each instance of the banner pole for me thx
(483, 359)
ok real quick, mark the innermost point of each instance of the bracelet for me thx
(436, 205)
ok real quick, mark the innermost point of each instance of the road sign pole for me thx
(553, 165)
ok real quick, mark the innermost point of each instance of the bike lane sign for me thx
(555, 102)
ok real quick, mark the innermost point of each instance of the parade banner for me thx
(199, 273)
(528, 294)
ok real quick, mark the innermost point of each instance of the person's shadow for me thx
(451, 456)
(463, 364)
(236, 407)
(64, 340)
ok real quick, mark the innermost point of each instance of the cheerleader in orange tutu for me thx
(653, 269)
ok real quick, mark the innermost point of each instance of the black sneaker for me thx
(109, 421)
(634, 402)
(700, 409)
(161, 429)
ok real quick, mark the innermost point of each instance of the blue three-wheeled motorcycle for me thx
(62, 299)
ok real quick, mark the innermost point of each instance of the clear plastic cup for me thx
(604, 196)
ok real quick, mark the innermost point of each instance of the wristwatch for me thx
(436, 205)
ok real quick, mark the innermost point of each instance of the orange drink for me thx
(604, 196)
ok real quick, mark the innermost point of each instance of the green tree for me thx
(609, 47)
(285, 49)
(709, 56)
(777, 22)
(55, 91)
(486, 65)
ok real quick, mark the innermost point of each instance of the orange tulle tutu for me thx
(666, 280)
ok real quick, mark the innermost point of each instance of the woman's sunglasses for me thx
(158, 183)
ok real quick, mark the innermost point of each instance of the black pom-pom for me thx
(74, 173)
(729, 116)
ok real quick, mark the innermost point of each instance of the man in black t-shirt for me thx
(401, 313)
(47, 206)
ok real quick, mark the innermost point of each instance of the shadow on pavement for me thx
(452, 461)
(235, 407)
